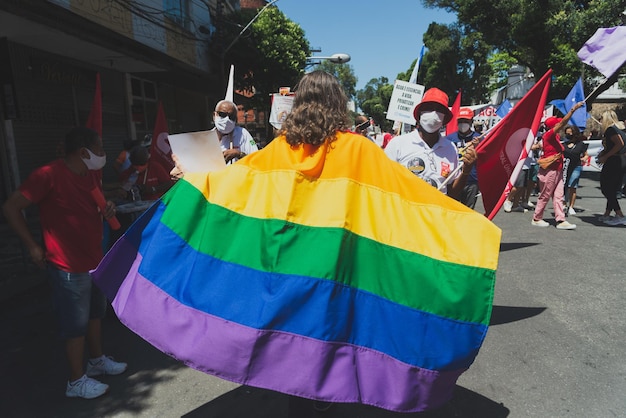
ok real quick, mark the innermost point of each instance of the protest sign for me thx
(198, 151)
(404, 98)
(281, 107)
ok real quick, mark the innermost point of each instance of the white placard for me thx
(404, 98)
(281, 107)
(198, 151)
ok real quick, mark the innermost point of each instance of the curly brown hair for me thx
(320, 109)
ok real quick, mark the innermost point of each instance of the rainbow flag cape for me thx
(329, 273)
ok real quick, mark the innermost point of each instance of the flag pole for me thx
(596, 89)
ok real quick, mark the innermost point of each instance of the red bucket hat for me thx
(465, 113)
(434, 95)
(552, 121)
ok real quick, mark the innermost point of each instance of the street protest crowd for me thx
(271, 268)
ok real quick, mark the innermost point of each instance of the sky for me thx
(382, 37)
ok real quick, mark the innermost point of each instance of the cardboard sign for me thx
(404, 98)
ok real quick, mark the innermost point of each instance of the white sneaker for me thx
(105, 365)
(86, 388)
(571, 211)
(565, 225)
(616, 221)
(508, 205)
(529, 205)
(541, 223)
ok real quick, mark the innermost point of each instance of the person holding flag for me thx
(426, 153)
(551, 177)
(462, 138)
(71, 221)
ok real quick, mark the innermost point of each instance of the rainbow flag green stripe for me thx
(433, 286)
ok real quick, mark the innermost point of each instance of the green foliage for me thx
(373, 100)
(538, 34)
(456, 60)
(272, 53)
(500, 63)
(345, 74)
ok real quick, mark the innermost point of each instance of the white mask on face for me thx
(94, 162)
(431, 122)
(464, 127)
(224, 125)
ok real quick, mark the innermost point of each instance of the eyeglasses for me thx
(226, 115)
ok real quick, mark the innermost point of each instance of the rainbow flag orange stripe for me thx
(297, 272)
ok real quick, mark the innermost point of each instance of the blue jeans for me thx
(76, 300)
(574, 177)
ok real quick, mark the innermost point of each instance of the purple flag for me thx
(605, 50)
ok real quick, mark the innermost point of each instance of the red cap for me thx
(465, 113)
(434, 95)
(552, 121)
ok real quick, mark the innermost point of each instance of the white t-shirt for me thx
(432, 165)
(240, 139)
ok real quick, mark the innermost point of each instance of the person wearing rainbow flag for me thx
(316, 267)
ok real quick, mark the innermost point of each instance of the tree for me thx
(272, 54)
(456, 60)
(539, 34)
(374, 99)
(345, 74)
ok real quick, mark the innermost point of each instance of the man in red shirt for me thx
(149, 176)
(72, 233)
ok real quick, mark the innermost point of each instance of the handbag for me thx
(546, 162)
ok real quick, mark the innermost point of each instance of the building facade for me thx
(146, 52)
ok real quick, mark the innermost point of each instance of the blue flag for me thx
(413, 78)
(504, 108)
(559, 104)
(579, 118)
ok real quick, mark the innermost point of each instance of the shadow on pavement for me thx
(34, 372)
(507, 314)
(508, 246)
(246, 402)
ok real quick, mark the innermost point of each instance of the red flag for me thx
(94, 121)
(502, 153)
(160, 150)
(452, 126)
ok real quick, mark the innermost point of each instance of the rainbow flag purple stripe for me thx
(271, 273)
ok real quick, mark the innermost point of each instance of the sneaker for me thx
(86, 388)
(519, 209)
(604, 218)
(530, 205)
(571, 211)
(541, 223)
(565, 225)
(104, 365)
(618, 220)
(508, 205)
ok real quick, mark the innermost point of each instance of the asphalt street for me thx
(555, 348)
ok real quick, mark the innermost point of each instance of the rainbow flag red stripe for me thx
(296, 272)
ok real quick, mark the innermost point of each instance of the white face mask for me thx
(431, 122)
(94, 162)
(464, 127)
(224, 125)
